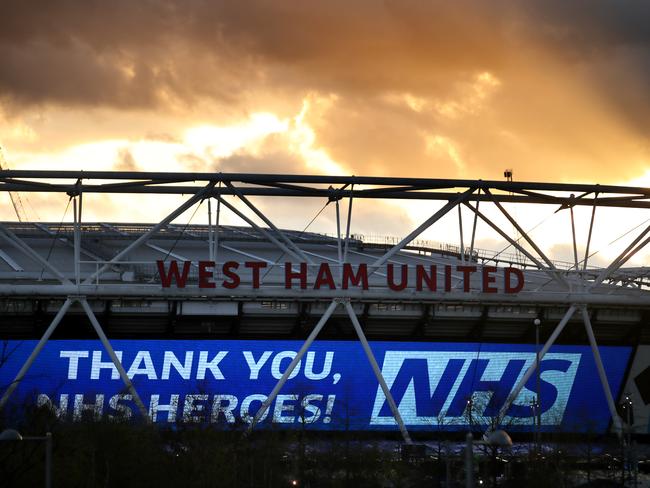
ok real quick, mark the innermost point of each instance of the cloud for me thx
(557, 90)
(148, 50)
(125, 161)
(563, 253)
(274, 162)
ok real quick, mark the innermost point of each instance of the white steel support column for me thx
(460, 229)
(262, 231)
(10, 261)
(618, 427)
(471, 245)
(530, 241)
(377, 371)
(516, 245)
(421, 228)
(347, 227)
(294, 362)
(623, 261)
(217, 221)
(510, 240)
(622, 258)
(591, 228)
(268, 222)
(147, 235)
(32, 357)
(339, 248)
(15, 241)
(115, 359)
(573, 234)
(210, 233)
(76, 210)
(531, 370)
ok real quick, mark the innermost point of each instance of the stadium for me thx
(261, 328)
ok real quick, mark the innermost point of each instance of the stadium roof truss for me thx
(575, 287)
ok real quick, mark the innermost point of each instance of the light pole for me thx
(14, 435)
(538, 402)
(629, 456)
(494, 439)
(470, 406)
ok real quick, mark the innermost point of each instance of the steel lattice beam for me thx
(323, 186)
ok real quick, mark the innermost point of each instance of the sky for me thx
(556, 90)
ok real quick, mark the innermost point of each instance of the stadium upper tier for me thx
(189, 280)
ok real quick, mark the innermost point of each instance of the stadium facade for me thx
(267, 327)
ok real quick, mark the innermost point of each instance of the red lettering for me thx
(467, 271)
(205, 275)
(350, 277)
(507, 278)
(487, 279)
(228, 273)
(422, 276)
(166, 278)
(404, 278)
(255, 266)
(324, 277)
(289, 276)
(447, 278)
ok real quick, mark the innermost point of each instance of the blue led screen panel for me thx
(437, 386)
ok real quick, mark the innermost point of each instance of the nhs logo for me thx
(452, 388)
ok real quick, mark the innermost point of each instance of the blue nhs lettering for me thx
(452, 387)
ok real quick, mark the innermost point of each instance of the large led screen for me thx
(436, 386)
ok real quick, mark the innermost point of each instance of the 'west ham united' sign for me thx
(175, 274)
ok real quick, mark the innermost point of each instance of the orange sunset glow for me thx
(556, 90)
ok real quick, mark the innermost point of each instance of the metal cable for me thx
(618, 238)
(56, 236)
(527, 232)
(470, 400)
(299, 235)
(183, 231)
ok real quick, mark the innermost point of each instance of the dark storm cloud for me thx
(77, 50)
(125, 161)
(587, 26)
(73, 74)
(573, 75)
(120, 53)
(607, 41)
(273, 162)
